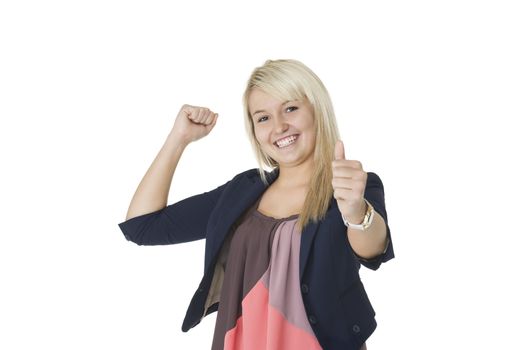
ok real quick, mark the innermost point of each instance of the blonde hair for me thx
(288, 79)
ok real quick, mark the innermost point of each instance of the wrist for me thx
(176, 140)
(358, 218)
(366, 220)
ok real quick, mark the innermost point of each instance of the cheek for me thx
(310, 126)
(261, 132)
(259, 136)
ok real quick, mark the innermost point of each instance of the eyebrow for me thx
(262, 110)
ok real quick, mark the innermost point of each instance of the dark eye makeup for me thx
(286, 109)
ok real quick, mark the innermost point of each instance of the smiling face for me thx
(285, 130)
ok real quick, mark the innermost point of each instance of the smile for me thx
(286, 141)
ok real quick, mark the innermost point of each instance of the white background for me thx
(429, 95)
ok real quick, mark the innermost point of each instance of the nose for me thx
(280, 125)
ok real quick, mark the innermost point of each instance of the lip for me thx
(276, 142)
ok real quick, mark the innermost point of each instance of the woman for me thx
(283, 248)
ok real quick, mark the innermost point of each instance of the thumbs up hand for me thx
(348, 180)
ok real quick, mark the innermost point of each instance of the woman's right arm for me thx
(149, 220)
(152, 192)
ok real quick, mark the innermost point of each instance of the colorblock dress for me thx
(261, 306)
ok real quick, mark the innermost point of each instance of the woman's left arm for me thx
(352, 186)
(372, 241)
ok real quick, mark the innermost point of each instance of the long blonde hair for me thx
(288, 79)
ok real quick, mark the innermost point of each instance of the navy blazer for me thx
(334, 297)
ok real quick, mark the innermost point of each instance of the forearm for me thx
(371, 242)
(152, 193)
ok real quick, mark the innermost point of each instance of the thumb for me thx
(339, 151)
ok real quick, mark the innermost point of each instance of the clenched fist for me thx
(193, 123)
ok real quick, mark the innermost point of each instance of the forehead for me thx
(259, 100)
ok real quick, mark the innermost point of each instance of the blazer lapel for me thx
(308, 234)
(246, 191)
(307, 237)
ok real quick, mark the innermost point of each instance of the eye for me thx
(259, 119)
(291, 107)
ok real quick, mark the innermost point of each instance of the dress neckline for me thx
(261, 215)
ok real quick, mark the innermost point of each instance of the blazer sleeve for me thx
(180, 222)
(374, 193)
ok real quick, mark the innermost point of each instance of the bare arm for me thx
(191, 124)
(152, 192)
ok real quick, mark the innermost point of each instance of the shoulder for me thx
(254, 175)
(372, 176)
(248, 173)
(373, 179)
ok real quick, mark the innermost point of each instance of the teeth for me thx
(287, 141)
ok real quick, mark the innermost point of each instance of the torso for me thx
(278, 203)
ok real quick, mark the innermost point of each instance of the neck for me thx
(294, 176)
